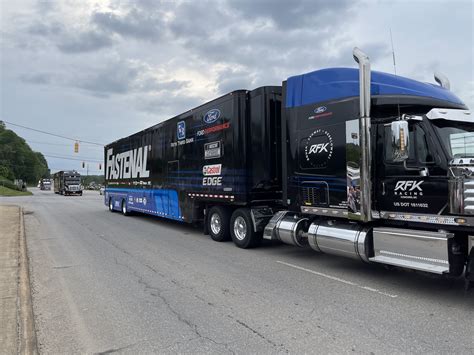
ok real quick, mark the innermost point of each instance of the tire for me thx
(124, 208)
(241, 229)
(111, 205)
(218, 223)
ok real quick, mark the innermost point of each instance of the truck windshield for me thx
(73, 180)
(456, 137)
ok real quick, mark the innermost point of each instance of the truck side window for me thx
(418, 151)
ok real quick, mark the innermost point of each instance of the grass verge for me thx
(5, 191)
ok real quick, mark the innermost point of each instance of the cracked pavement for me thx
(103, 283)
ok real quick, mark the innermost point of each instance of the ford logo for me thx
(320, 109)
(212, 116)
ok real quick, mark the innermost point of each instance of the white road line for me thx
(334, 278)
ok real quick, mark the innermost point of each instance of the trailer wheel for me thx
(124, 208)
(218, 224)
(111, 205)
(241, 229)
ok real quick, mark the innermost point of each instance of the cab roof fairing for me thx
(339, 83)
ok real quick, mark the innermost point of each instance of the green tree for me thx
(18, 160)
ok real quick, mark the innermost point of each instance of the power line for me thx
(70, 158)
(53, 134)
(56, 144)
(74, 156)
(90, 171)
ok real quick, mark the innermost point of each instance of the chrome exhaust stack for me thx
(364, 132)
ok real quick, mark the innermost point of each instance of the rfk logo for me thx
(318, 148)
(409, 185)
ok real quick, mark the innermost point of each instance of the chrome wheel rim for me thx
(216, 223)
(240, 228)
(124, 208)
(111, 206)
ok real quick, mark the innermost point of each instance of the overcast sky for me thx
(100, 70)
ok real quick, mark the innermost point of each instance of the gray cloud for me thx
(73, 40)
(45, 7)
(289, 15)
(37, 79)
(136, 23)
(87, 41)
(154, 85)
(114, 79)
(117, 77)
(166, 105)
(230, 79)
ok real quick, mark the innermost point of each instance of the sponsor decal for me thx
(211, 116)
(408, 189)
(144, 200)
(320, 112)
(212, 170)
(181, 130)
(182, 142)
(212, 150)
(213, 129)
(212, 181)
(211, 175)
(319, 148)
(129, 164)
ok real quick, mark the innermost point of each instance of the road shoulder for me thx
(17, 333)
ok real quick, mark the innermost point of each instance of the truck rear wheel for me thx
(218, 224)
(241, 229)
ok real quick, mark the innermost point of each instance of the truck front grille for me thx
(469, 196)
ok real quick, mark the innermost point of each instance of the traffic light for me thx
(100, 166)
(76, 147)
(83, 165)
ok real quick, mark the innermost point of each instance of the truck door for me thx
(417, 185)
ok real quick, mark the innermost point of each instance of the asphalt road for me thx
(103, 283)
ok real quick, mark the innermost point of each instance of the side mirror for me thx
(400, 141)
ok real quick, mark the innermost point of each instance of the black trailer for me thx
(195, 166)
(67, 183)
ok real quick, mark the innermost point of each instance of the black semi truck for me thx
(349, 162)
(67, 183)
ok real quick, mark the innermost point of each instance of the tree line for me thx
(18, 160)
